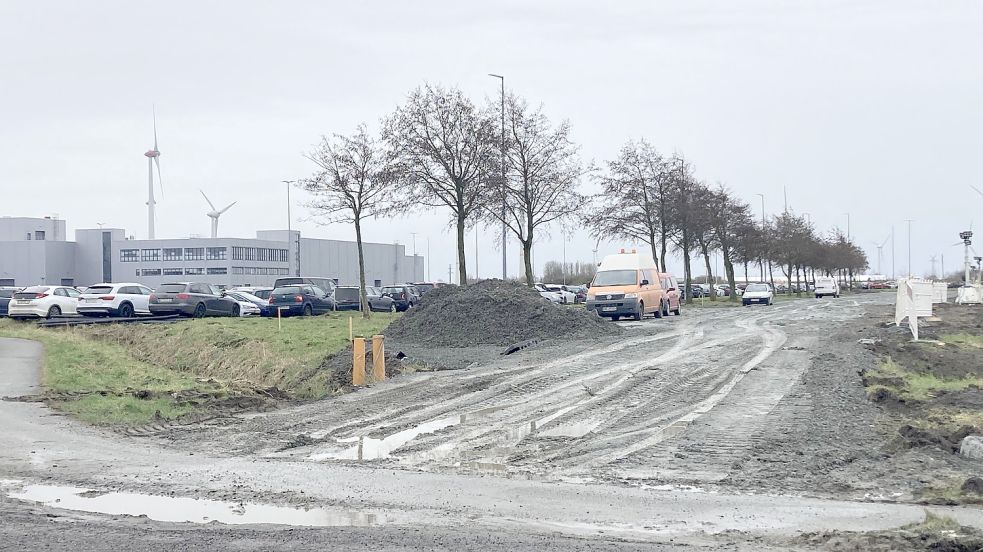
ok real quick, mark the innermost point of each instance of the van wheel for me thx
(658, 311)
(665, 308)
(640, 312)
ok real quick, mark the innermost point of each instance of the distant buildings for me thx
(36, 251)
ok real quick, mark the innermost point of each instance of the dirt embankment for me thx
(934, 387)
(493, 313)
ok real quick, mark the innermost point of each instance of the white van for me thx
(826, 285)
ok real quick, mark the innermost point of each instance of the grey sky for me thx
(872, 108)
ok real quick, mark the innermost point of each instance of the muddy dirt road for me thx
(656, 436)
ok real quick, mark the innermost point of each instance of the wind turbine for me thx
(880, 249)
(215, 213)
(153, 158)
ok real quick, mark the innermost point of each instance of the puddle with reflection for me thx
(367, 448)
(191, 510)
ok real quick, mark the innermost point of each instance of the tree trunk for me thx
(706, 259)
(527, 260)
(798, 282)
(362, 298)
(729, 270)
(746, 280)
(771, 275)
(664, 250)
(688, 275)
(655, 254)
(462, 261)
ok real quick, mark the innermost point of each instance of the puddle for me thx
(367, 448)
(190, 510)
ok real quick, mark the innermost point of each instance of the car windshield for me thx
(389, 290)
(99, 289)
(263, 293)
(171, 288)
(757, 287)
(287, 290)
(615, 278)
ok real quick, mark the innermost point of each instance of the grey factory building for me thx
(36, 251)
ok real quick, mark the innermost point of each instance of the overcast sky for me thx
(871, 108)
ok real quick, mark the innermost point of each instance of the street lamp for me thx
(760, 264)
(290, 235)
(504, 226)
(847, 226)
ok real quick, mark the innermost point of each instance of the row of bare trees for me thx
(657, 200)
(440, 150)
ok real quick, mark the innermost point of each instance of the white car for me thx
(247, 308)
(826, 285)
(43, 302)
(551, 296)
(758, 293)
(565, 296)
(123, 299)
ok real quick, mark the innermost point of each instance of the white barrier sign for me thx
(906, 305)
(941, 290)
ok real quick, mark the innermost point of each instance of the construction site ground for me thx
(743, 428)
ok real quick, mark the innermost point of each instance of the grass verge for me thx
(914, 386)
(136, 373)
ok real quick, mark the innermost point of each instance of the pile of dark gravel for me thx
(493, 313)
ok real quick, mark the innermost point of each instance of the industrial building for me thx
(36, 251)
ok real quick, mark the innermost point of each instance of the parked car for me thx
(404, 296)
(262, 305)
(758, 293)
(672, 293)
(579, 293)
(118, 299)
(566, 297)
(6, 294)
(347, 298)
(826, 285)
(378, 301)
(300, 299)
(326, 284)
(261, 292)
(195, 299)
(424, 287)
(549, 295)
(627, 284)
(43, 302)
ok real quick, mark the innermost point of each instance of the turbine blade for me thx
(208, 200)
(159, 179)
(155, 127)
(977, 189)
(227, 207)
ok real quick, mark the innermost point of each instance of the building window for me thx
(70, 282)
(39, 235)
(150, 272)
(236, 269)
(173, 271)
(172, 253)
(194, 253)
(218, 270)
(194, 271)
(7, 282)
(150, 254)
(282, 271)
(28, 236)
(129, 255)
(215, 254)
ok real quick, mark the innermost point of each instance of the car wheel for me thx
(308, 310)
(615, 318)
(126, 310)
(392, 307)
(235, 310)
(818, 296)
(665, 308)
(676, 312)
(53, 312)
(199, 311)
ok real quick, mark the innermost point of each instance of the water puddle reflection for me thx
(190, 510)
(367, 448)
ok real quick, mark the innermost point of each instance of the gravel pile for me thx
(493, 313)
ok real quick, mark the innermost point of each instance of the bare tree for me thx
(353, 181)
(730, 221)
(543, 174)
(443, 144)
(635, 198)
(683, 217)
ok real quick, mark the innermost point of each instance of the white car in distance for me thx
(758, 293)
(826, 285)
(43, 302)
(565, 296)
(124, 300)
(551, 296)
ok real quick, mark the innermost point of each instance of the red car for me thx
(672, 292)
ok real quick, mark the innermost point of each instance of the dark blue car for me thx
(303, 300)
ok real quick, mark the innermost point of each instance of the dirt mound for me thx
(493, 313)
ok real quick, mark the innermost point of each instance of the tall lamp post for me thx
(762, 264)
(290, 235)
(504, 226)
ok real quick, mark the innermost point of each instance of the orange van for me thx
(627, 284)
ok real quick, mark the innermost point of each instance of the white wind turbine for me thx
(153, 158)
(215, 213)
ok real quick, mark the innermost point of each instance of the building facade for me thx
(105, 255)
